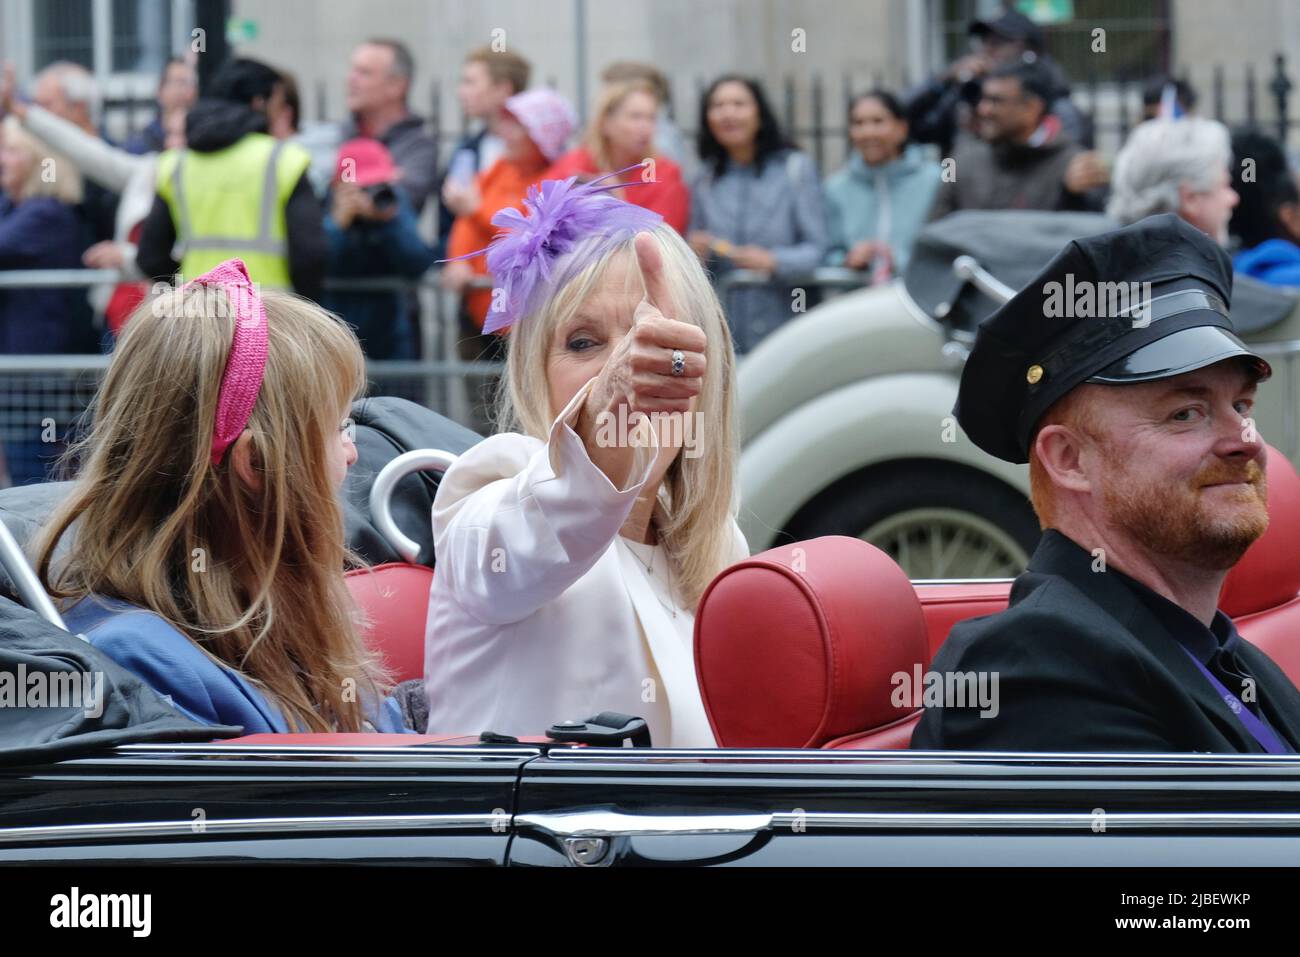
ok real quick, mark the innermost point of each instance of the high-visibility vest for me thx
(230, 203)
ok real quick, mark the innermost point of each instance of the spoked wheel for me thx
(935, 519)
(947, 543)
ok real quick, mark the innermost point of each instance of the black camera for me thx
(382, 195)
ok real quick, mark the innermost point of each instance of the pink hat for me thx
(548, 118)
(366, 162)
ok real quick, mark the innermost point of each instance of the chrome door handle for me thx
(602, 823)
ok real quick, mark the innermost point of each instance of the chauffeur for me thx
(1148, 479)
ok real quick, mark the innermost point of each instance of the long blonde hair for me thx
(609, 100)
(252, 575)
(697, 496)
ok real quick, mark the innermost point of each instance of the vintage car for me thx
(846, 411)
(799, 652)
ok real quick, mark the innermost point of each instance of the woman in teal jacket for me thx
(878, 201)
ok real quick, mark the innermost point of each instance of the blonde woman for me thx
(39, 229)
(130, 176)
(573, 548)
(622, 135)
(208, 552)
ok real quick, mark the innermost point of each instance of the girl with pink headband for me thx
(573, 548)
(208, 549)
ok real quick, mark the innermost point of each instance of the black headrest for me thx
(387, 427)
(24, 510)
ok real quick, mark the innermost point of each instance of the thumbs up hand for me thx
(640, 371)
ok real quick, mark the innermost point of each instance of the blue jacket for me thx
(857, 194)
(41, 233)
(370, 249)
(193, 683)
(1275, 261)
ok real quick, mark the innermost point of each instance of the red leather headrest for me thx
(1268, 574)
(395, 597)
(796, 646)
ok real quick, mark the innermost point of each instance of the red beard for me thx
(1208, 528)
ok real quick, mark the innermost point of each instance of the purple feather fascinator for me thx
(560, 216)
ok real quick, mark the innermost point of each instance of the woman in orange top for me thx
(535, 125)
(622, 134)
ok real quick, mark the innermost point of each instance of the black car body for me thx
(533, 805)
(141, 785)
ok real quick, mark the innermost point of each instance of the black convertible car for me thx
(796, 671)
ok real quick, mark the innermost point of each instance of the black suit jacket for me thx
(1083, 664)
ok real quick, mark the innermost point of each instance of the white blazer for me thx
(536, 614)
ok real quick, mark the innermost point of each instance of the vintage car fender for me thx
(884, 418)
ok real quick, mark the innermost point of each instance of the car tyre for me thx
(936, 520)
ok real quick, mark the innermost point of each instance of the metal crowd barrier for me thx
(747, 328)
(37, 388)
(44, 395)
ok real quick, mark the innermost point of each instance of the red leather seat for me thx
(796, 647)
(944, 605)
(1260, 593)
(395, 597)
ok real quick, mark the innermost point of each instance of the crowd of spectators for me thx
(318, 208)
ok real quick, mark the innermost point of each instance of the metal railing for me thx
(43, 397)
(749, 327)
(438, 334)
(434, 322)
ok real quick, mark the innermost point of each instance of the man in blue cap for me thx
(1117, 376)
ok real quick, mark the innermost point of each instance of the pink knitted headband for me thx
(246, 364)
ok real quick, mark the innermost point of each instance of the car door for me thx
(592, 807)
(232, 802)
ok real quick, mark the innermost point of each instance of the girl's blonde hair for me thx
(697, 496)
(252, 575)
(58, 178)
(610, 99)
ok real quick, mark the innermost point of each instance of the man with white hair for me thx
(1176, 166)
(68, 90)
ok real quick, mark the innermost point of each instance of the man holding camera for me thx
(371, 231)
